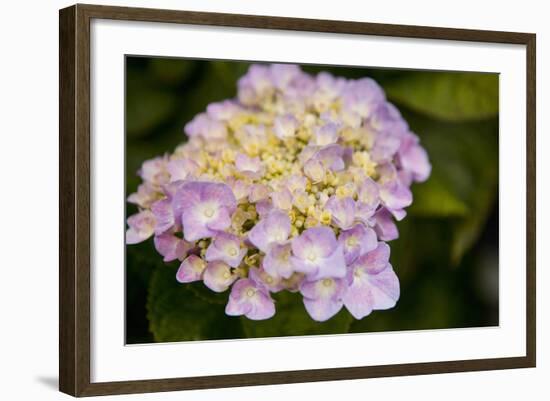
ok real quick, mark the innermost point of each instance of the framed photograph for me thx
(250, 200)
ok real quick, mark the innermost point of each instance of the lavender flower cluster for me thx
(294, 185)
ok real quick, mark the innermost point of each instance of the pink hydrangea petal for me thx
(359, 299)
(194, 228)
(202, 125)
(369, 292)
(326, 134)
(141, 227)
(249, 300)
(385, 288)
(282, 199)
(275, 227)
(322, 310)
(191, 269)
(332, 157)
(285, 126)
(226, 248)
(385, 227)
(314, 170)
(413, 158)
(193, 198)
(218, 276)
(223, 111)
(376, 260)
(221, 222)
(265, 281)
(263, 307)
(278, 262)
(327, 288)
(263, 207)
(321, 239)
(333, 265)
(357, 241)
(250, 165)
(385, 147)
(323, 298)
(164, 215)
(368, 193)
(394, 195)
(171, 247)
(342, 210)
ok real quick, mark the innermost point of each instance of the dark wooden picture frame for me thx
(74, 204)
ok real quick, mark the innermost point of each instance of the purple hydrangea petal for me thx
(251, 167)
(342, 211)
(285, 126)
(146, 194)
(321, 310)
(224, 110)
(395, 195)
(386, 118)
(365, 213)
(255, 85)
(323, 298)
(202, 125)
(332, 157)
(357, 241)
(258, 192)
(218, 276)
(171, 247)
(282, 199)
(318, 254)
(221, 221)
(414, 159)
(385, 227)
(204, 207)
(248, 299)
(314, 170)
(368, 192)
(263, 207)
(278, 262)
(375, 260)
(326, 134)
(275, 227)
(164, 215)
(182, 169)
(318, 242)
(154, 171)
(358, 299)
(141, 227)
(283, 75)
(191, 269)
(385, 147)
(368, 292)
(226, 248)
(241, 190)
(269, 282)
(362, 96)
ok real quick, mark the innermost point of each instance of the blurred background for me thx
(446, 256)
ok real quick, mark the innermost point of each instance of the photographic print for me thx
(271, 200)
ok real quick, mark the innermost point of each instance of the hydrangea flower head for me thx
(293, 185)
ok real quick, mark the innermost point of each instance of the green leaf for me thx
(435, 199)
(291, 319)
(147, 105)
(464, 180)
(171, 71)
(175, 313)
(452, 96)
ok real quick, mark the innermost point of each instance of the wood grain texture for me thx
(74, 199)
(67, 254)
